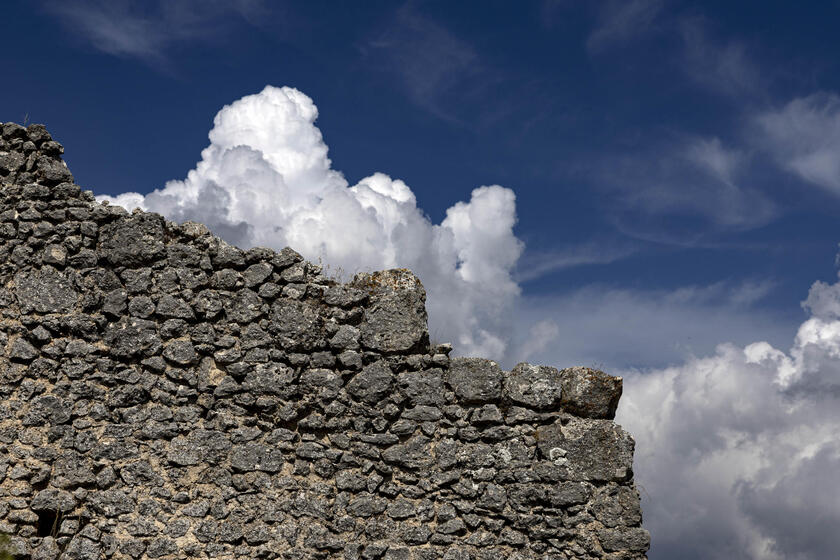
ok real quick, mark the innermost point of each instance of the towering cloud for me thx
(266, 180)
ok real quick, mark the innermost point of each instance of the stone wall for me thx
(166, 395)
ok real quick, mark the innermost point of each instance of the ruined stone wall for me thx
(166, 395)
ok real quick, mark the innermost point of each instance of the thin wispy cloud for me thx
(683, 191)
(724, 67)
(429, 61)
(147, 30)
(620, 21)
(711, 155)
(804, 138)
(536, 264)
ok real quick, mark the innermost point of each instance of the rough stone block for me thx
(395, 319)
(475, 380)
(590, 393)
(133, 241)
(533, 386)
(590, 450)
(45, 291)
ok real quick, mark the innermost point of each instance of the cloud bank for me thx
(266, 180)
(738, 452)
(616, 328)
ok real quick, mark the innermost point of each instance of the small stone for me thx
(590, 450)
(45, 291)
(346, 338)
(488, 414)
(228, 256)
(133, 241)
(453, 526)
(180, 351)
(53, 171)
(244, 307)
(170, 306)
(53, 500)
(422, 387)
(422, 413)
(54, 254)
(344, 296)
(413, 454)
(22, 351)
(372, 383)
(366, 505)
(114, 302)
(256, 457)
(632, 539)
(256, 274)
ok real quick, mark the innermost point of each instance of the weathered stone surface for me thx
(346, 338)
(395, 320)
(422, 387)
(132, 337)
(22, 351)
(54, 254)
(256, 457)
(244, 307)
(590, 393)
(52, 171)
(566, 494)
(625, 539)
(180, 352)
(167, 395)
(296, 324)
(372, 383)
(615, 505)
(53, 500)
(590, 450)
(416, 453)
(475, 380)
(45, 291)
(133, 241)
(537, 387)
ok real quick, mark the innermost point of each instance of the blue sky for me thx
(674, 166)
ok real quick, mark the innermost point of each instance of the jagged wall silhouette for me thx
(167, 395)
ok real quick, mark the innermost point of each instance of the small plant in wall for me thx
(5, 552)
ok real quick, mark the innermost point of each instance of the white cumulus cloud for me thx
(738, 453)
(266, 180)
